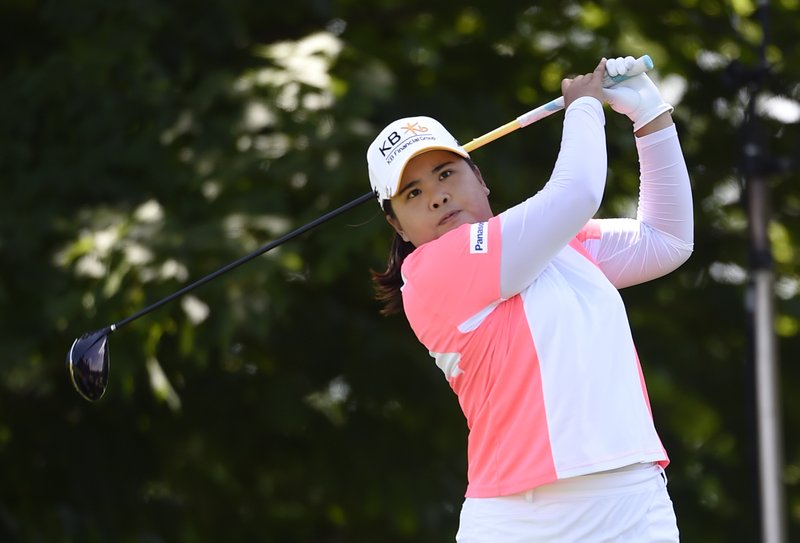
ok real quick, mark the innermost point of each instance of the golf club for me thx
(88, 359)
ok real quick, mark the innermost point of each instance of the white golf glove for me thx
(637, 97)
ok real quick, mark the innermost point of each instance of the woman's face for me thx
(438, 192)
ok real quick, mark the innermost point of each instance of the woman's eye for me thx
(413, 193)
(445, 174)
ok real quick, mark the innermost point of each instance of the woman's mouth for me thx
(448, 217)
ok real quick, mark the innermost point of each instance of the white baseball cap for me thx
(398, 143)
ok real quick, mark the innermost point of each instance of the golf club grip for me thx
(641, 65)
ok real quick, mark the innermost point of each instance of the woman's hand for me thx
(590, 84)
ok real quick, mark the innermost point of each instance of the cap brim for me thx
(397, 174)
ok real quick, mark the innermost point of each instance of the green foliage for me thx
(146, 144)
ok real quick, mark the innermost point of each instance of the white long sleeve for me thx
(660, 238)
(535, 230)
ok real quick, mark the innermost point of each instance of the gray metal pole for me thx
(761, 302)
(768, 416)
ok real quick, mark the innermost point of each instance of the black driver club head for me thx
(88, 362)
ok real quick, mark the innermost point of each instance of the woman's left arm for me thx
(660, 238)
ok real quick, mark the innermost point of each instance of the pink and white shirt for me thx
(523, 315)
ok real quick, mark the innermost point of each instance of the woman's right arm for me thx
(534, 231)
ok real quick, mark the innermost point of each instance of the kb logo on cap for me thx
(394, 138)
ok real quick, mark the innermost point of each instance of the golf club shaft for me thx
(643, 64)
(236, 263)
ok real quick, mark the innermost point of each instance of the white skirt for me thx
(626, 505)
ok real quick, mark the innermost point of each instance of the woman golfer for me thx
(521, 312)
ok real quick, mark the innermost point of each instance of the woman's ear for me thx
(396, 225)
(480, 177)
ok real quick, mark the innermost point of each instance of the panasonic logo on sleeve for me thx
(479, 238)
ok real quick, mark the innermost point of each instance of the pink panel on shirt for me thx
(509, 444)
(457, 296)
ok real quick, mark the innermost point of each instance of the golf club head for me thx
(88, 361)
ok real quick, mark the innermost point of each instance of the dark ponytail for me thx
(387, 284)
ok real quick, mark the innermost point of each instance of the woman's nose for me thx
(440, 199)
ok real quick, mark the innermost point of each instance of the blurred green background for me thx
(146, 144)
